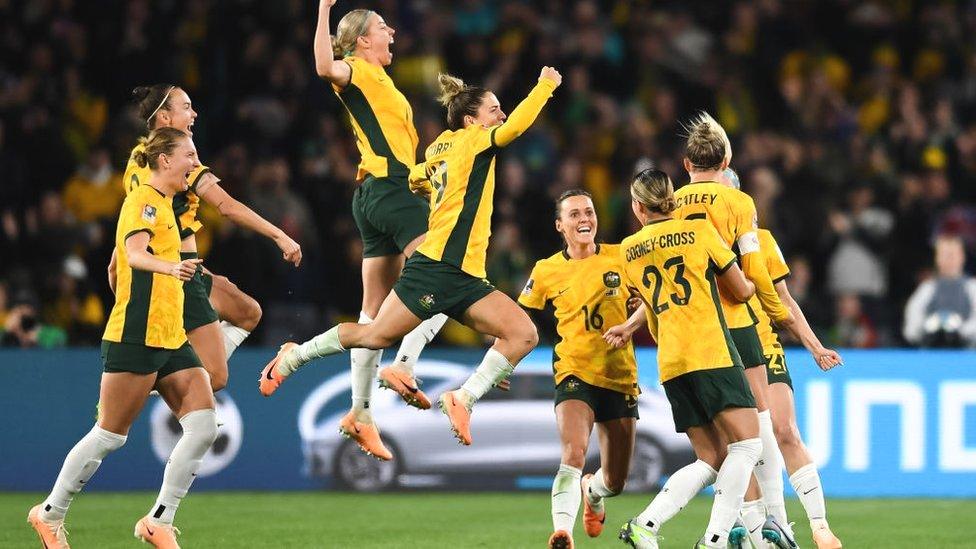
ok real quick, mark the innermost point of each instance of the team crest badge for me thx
(427, 301)
(528, 287)
(572, 386)
(611, 279)
(149, 213)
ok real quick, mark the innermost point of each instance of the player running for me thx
(391, 220)
(447, 273)
(799, 465)
(676, 265)
(595, 383)
(145, 347)
(208, 297)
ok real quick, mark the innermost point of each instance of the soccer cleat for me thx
(366, 435)
(739, 537)
(404, 385)
(560, 539)
(824, 538)
(637, 536)
(52, 534)
(592, 520)
(158, 535)
(271, 378)
(779, 537)
(459, 416)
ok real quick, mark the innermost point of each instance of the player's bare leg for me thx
(515, 336)
(123, 395)
(208, 343)
(239, 313)
(802, 470)
(574, 419)
(616, 438)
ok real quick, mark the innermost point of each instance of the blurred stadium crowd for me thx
(853, 127)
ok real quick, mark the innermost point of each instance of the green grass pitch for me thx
(451, 520)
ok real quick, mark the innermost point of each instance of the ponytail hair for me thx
(653, 189)
(707, 143)
(460, 99)
(352, 25)
(160, 141)
(151, 100)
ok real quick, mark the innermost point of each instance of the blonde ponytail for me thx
(161, 141)
(450, 86)
(707, 145)
(653, 189)
(460, 99)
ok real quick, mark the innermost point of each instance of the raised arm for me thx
(140, 259)
(233, 209)
(526, 112)
(326, 65)
(826, 358)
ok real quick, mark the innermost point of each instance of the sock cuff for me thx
(707, 469)
(754, 504)
(570, 470)
(802, 472)
(498, 359)
(765, 417)
(750, 446)
(199, 418)
(364, 318)
(112, 439)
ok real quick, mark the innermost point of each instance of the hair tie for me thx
(161, 103)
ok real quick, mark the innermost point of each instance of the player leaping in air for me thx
(447, 272)
(391, 220)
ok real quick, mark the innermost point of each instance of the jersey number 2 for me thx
(438, 178)
(678, 264)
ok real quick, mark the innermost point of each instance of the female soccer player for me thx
(145, 348)
(595, 383)
(207, 297)
(803, 472)
(447, 273)
(675, 265)
(391, 220)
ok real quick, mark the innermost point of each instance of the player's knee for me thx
(218, 380)
(251, 314)
(526, 337)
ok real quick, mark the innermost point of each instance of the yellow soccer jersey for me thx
(461, 167)
(381, 119)
(778, 270)
(589, 298)
(185, 204)
(673, 264)
(148, 306)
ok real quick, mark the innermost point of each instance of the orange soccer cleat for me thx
(405, 385)
(52, 534)
(158, 535)
(560, 539)
(271, 378)
(366, 435)
(459, 416)
(825, 539)
(592, 521)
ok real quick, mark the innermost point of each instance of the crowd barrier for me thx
(886, 423)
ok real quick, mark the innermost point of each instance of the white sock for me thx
(79, 466)
(363, 364)
(233, 337)
(493, 368)
(565, 497)
(324, 344)
(753, 517)
(199, 433)
(806, 483)
(414, 342)
(730, 488)
(683, 485)
(769, 470)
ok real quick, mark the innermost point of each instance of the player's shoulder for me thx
(443, 144)
(551, 263)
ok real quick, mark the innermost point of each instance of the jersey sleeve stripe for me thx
(130, 233)
(721, 270)
(193, 184)
(780, 278)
